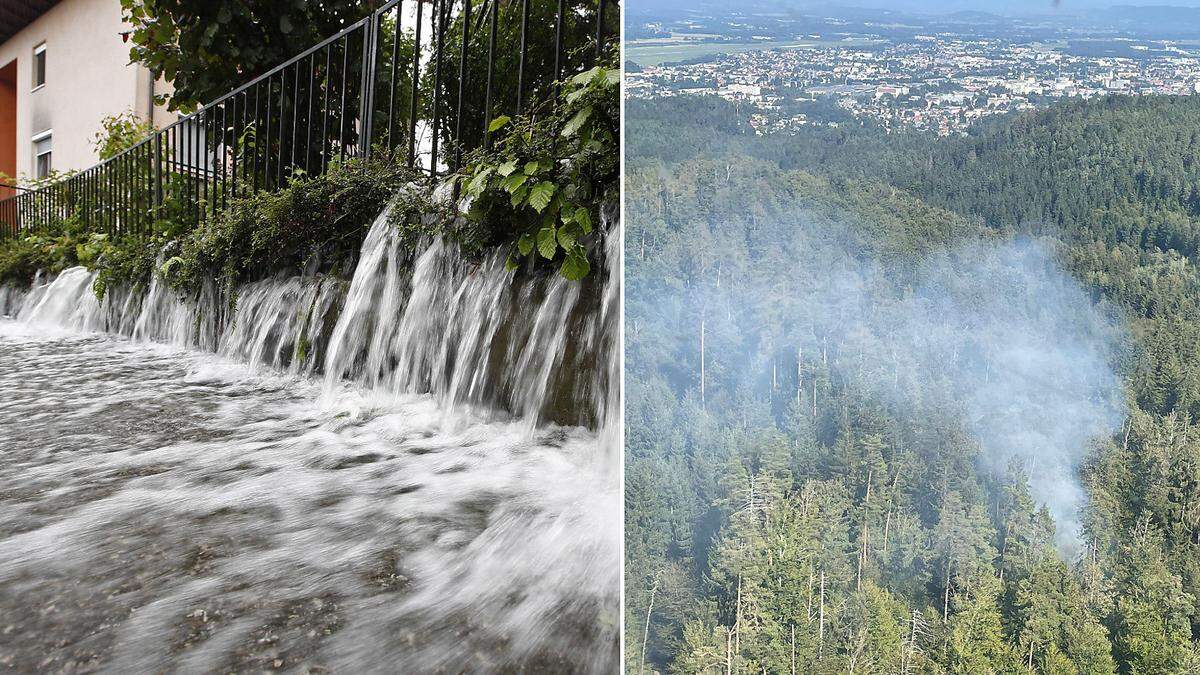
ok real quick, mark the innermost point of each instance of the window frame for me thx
(48, 134)
(39, 50)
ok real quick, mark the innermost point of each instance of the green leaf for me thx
(519, 197)
(575, 265)
(525, 244)
(566, 238)
(479, 182)
(583, 218)
(587, 75)
(507, 168)
(167, 266)
(540, 195)
(531, 168)
(510, 263)
(513, 182)
(499, 122)
(577, 121)
(547, 243)
(576, 95)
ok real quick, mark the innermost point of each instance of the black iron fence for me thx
(420, 79)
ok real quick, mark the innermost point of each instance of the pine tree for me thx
(974, 635)
(1151, 627)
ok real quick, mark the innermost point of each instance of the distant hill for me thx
(782, 420)
(1074, 167)
(1157, 11)
(1165, 21)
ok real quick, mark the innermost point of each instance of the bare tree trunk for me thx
(729, 652)
(793, 649)
(891, 503)
(808, 607)
(702, 399)
(799, 372)
(646, 630)
(946, 595)
(821, 624)
(737, 621)
(1003, 544)
(887, 523)
(906, 655)
(864, 537)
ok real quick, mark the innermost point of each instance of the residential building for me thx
(64, 66)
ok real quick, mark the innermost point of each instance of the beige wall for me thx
(88, 76)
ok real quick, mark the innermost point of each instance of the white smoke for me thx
(992, 334)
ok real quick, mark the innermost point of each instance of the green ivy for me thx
(540, 186)
(120, 132)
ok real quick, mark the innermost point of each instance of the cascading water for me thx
(413, 471)
(469, 334)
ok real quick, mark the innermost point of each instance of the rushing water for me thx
(412, 472)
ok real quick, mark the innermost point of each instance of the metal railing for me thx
(420, 79)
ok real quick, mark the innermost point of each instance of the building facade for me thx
(64, 66)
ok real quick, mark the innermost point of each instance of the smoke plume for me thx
(1009, 344)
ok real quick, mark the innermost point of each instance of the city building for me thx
(941, 83)
(64, 66)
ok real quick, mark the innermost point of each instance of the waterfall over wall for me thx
(424, 471)
(473, 333)
(468, 332)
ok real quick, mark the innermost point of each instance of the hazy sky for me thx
(1008, 6)
(996, 6)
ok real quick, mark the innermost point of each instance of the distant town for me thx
(944, 83)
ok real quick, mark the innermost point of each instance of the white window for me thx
(39, 65)
(41, 155)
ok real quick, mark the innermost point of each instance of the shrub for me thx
(540, 188)
(314, 220)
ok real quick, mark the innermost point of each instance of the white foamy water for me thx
(358, 477)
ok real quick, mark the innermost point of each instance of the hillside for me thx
(907, 404)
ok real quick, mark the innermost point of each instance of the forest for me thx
(906, 404)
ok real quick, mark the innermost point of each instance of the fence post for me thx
(367, 95)
(599, 30)
(491, 66)
(462, 83)
(158, 193)
(521, 61)
(440, 23)
(416, 85)
(558, 44)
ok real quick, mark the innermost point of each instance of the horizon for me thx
(935, 7)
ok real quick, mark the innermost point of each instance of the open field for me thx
(659, 51)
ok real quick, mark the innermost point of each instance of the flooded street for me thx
(168, 510)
